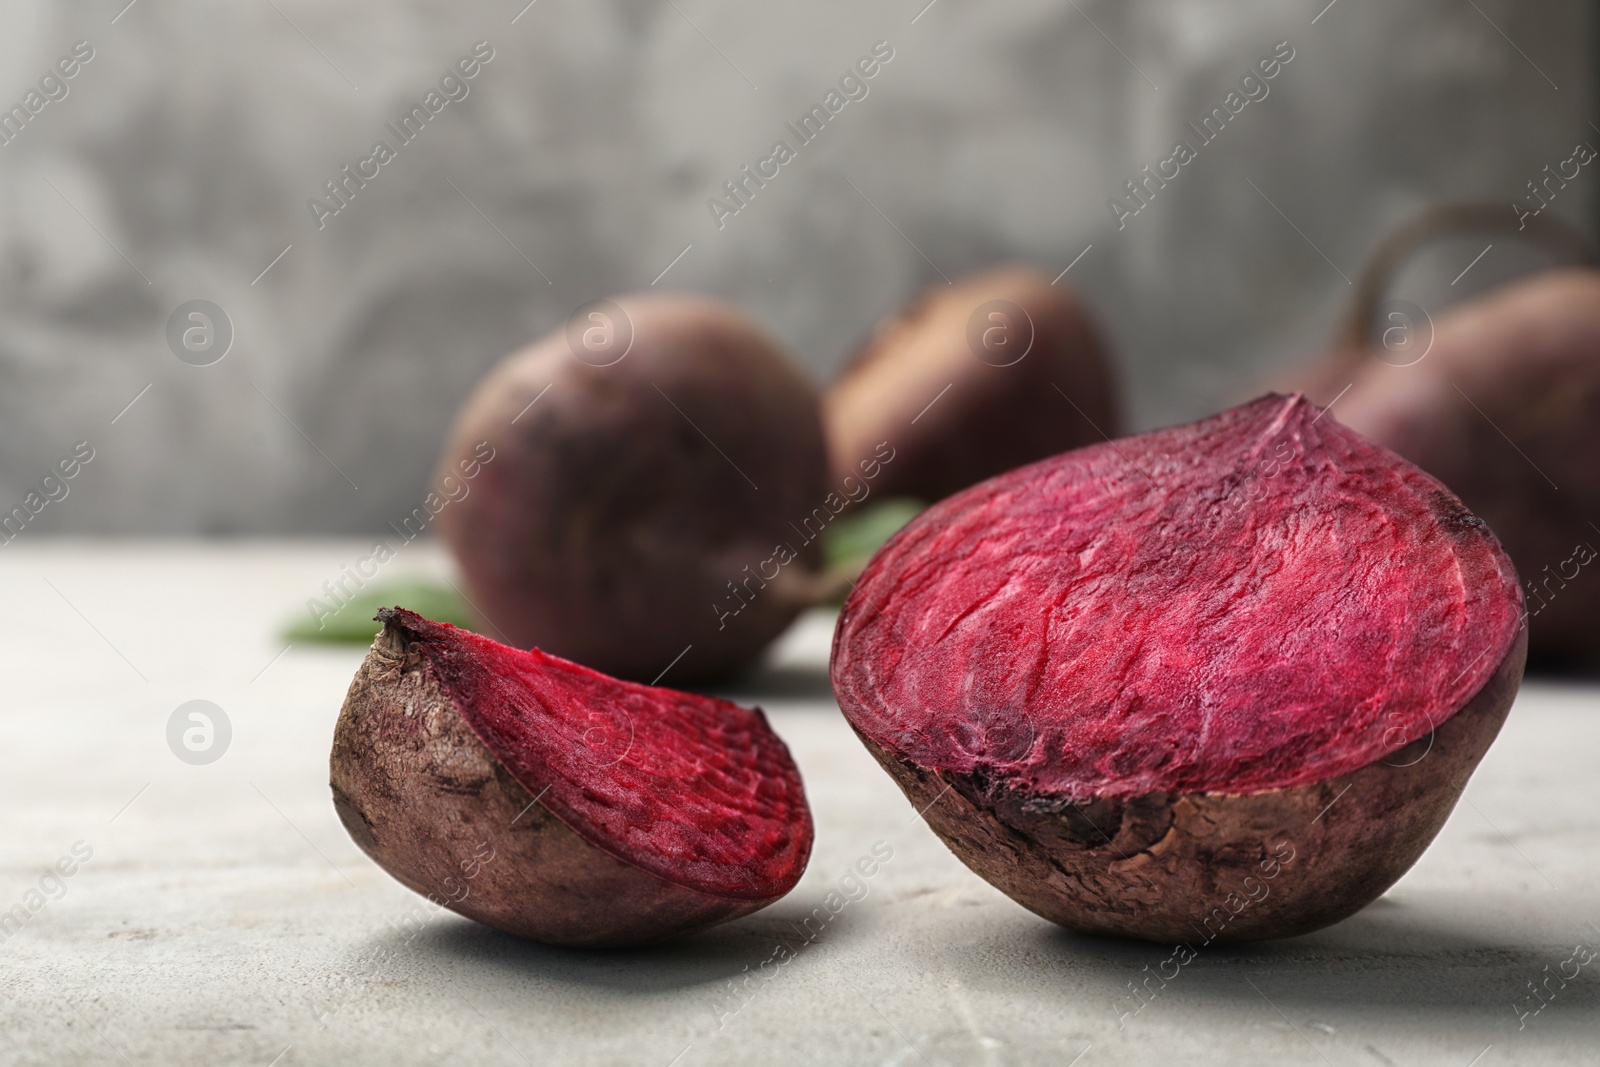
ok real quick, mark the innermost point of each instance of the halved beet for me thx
(557, 803)
(1250, 660)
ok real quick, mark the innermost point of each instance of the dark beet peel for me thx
(554, 802)
(1225, 680)
(970, 380)
(623, 509)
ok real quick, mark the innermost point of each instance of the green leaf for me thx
(861, 533)
(353, 623)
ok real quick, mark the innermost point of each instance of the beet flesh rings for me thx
(1145, 670)
(555, 802)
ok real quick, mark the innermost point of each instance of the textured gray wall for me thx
(180, 163)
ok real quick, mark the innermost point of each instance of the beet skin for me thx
(970, 380)
(626, 508)
(1225, 680)
(554, 802)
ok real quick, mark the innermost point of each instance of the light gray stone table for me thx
(225, 918)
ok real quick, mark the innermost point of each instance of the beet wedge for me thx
(1223, 681)
(553, 802)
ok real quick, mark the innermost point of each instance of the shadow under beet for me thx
(709, 958)
(1402, 957)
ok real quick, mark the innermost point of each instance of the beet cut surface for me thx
(1102, 651)
(619, 812)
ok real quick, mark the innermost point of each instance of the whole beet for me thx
(963, 387)
(622, 509)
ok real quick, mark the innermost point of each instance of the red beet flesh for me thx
(1263, 602)
(696, 798)
(1504, 408)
